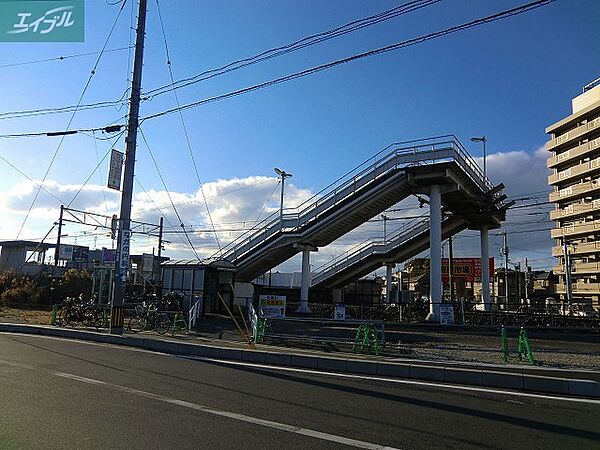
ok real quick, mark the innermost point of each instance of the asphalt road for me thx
(57, 393)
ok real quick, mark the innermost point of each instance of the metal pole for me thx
(485, 268)
(281, 203)
(57, 250)
(484, 157)
(505, 252)
(388, 282)
(127, 194)
(451, 268)
(518, 281)
(527, 279)
(156, 274)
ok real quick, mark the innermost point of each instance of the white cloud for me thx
(236, 204)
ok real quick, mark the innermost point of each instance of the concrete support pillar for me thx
(303, 308)
(388, 282)
(485, 269)
(435, 247)
(337, 295)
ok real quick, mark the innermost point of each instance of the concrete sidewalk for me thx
(520, 378)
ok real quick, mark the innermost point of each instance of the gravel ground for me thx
(31, 316)
(568, 351)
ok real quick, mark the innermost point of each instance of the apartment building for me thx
(574, 161)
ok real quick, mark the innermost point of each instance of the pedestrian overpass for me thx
(437, 167)
(371, 254)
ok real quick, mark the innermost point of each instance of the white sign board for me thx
(147, 262)
(272, 306)
(115, 169)
(65, 252)
(446, 314)
(339, 311)
(124, 254)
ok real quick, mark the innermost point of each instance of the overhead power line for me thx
(184, 127)
(62, 58)
(67, 132)
(87, 84)
(235, 65)
(168, 193)
(294, 46)
(407, 43)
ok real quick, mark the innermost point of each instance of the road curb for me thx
(448, 374)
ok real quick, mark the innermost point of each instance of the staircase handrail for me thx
(425, 149)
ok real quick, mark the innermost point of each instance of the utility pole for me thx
(527, 280)
(60, 221)
(451, 268)
(159, 254)
(124, 232)
(518, 281)
(505, 250)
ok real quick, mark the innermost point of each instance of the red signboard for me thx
(467, 269)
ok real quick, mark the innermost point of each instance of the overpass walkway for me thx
(374, 253)
(439, 167)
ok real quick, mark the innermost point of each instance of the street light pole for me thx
(283, 174)
(484, 140)
(385, 219)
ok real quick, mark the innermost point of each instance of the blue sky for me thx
(507, 80)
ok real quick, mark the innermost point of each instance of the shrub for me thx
(20, 289)
(75, 282)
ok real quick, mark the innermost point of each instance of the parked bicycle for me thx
(77, 310)
(148, 317)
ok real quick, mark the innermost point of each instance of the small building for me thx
(199, 281)
(27, 257)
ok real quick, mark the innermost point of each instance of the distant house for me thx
(543, 284)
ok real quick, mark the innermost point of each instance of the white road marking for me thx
(329, 374)
(231, 415)
(398, 381)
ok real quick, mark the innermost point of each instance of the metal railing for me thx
(369, 247)
(404, 154)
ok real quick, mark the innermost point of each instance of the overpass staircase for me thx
(374, 253)
(393, 174)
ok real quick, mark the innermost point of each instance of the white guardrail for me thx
(194, 314)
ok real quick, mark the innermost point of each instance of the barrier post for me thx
(53, 315)
(504, 344)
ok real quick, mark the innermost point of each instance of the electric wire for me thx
(235, 65)
(407, 43)
(168, 192)
(61, 58)
(179, 232)
(92, 73)
(184, 127)
(291, 47)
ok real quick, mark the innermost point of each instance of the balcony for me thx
(574, 172)
(575, 229)
(573, 153)
(578, 249)
(576, 133)
(575, 210)
(580, 288)
(577, 190)
(578, 269)
(585, 268)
